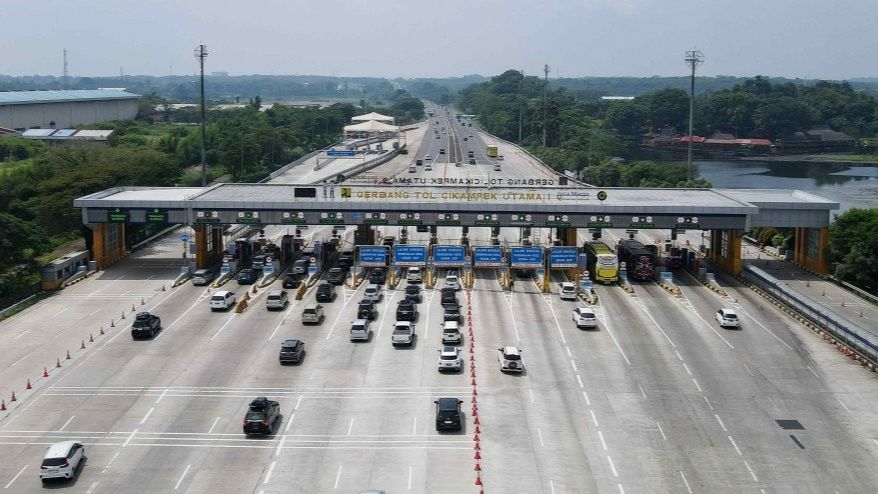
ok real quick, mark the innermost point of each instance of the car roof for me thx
(60, 449)
(510, 350)
(291, 342)
(567, 283)
(584, 310)
(276, 291)
(222, 293)
(727, 311)
(403, 323)
(448, 403)
(450, 350)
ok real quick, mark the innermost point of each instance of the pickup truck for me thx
(403, 333)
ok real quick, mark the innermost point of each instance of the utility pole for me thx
(545, 102)
(694, 58)
(65, 79)
(520, 106)
(201, 54)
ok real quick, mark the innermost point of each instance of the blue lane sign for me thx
(184, 238)
(526, 257)
(372, 256)
(487, 257)
(410, 255)
(341, 153)
(449, 255)
(563, 257)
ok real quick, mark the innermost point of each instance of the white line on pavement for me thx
(612, 466)
(579, 380)
(748, 370)
(145, 417)
(721, 424)
(540, 435)
(813, 372)
(92, 488)
(687, 369)
(552, 487)
(350, 427)
(642, 392)
(707, 401)
(572, 363)
(129, 438)
(180, 481)
(415, 427)
(61, 311)
(280, 445)
(782, 342)
(337, 477)
(213, 425)
(657, 325)
(603, 443)
(531, 392)
(587, 401)
(290, 422)
(269, 472)
(568, 351)
(621, 490)
(221, 328)
(594, 418)
(843, 405)
(685, 482)
(410, 478)
(661, 431)
(735, 445)
(697, 385)
(752, 474)
(616, 342)
(678, 355)
(110, 462)
(691, 308)
(19, 335)
(159, 399)
(16, 477)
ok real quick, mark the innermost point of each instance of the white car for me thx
(372, 292)
(452, 281)
(584, 318)
(727, 318)
(403, 333)
(61, 460)
(510, 359)
(567, 291)
(414, 275)
(451, 333)
(360, 330)
(427, 157)
(449, 359)
(222, 300)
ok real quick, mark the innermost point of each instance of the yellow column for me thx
(202, 255)
(99, 247)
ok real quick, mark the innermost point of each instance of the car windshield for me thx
(274, 297)
(412, 290)
(731, 316)
(310, 311)
(256, 415)
(401, 331)
(54, 462)
(450, 330)
(512, 357)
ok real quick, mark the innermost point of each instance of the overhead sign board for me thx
(563, 257)
(372, 256)
(449, 255)
(526, 257)
(487, 257)
(410, 255)
(341, 153)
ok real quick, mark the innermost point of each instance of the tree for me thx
(20, 245)
(852, 240)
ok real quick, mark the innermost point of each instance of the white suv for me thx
(452, 281)
(451, 333)
(61, 460)
(222, 300)
(567, 291)
(372, 292)
(584, 318)
(414, 275)
(727, 317)
(510, 359)
(449, 359)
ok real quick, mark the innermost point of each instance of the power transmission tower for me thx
(694, 58)
(65, 77)
(545, 103)
(520, 106)
(201, 54)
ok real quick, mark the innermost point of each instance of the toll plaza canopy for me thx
(460, 202)
(371, 126)
(372, 116)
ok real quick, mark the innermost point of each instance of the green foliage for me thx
(854, 247)
(20, 244)
(16, 149)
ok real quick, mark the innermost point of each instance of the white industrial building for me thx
(22, 110)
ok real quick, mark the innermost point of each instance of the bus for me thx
(603, 266)
(492, 150)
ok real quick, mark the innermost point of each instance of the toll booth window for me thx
(305, 192)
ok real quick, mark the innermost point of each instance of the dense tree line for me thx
(854, 240)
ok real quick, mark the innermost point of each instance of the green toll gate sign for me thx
(156, 216)
(117, 215)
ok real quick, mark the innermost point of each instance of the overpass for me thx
(463, 202)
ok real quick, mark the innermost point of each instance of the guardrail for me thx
(844, 330)
(280, 171)
(541, 162)
(857, 290)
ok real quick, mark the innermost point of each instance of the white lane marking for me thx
(19, 335)
(687, 369)
(843, 405)
(685, 482)
(159, 399)
(612, 466)
(661, 431)
(594, 418)
(66, 423)
(813, 372)
(145, 417)
(540, 435)
(568, 351)
(642, 392)
(731, 440)
(92, 487)
(552, 487)
(296, 406)
(610, 332)
(280, 445)
(721, 424)
(110, 462)
(678, 355)
(707, 401)
(180, 481)
(691, 308)
(657, 325)
(350, 427)
(282, 320)
(221, 328)
(515, 324)
(290, 422)
(16, 477)
(572, 363)
(337, 477)
(579, 380)
(697, 385)
(748, 370)
(410, 477)
(587, 401)
(164, 330)
(752, 474)
(782, 342)
(129, 438)
(415, 427)
(213, 425)
(65, 309)
(621, 490)
(269, 472)
(531, 392)
(603, 443)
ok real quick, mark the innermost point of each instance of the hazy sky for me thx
(793, 38)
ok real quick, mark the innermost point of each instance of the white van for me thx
(222, 300)
(277, 300)
(567, 291)
(61, 460)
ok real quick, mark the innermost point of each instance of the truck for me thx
(603, 266)
(675, 258)
(492, 150)
(640, 260)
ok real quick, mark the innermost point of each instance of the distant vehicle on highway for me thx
(584, 318)
(261, 416)
(448, 417)
(247, 276)
(403, 333)
(449, 359)
(277, 300)
(291, 352)
(202, 277)
(222, 300)
(492, 150)
(413, 293)
(567, 291)
(510, 359)
(406, 310)
(312, 314)
(325, 292)
(360, 330)
(145, 325)
(61, 461)
(727, 318)
(291, 281)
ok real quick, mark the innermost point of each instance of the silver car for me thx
(449, 359)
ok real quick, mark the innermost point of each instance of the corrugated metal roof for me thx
(26, 97)
(93, 134)
(64, 133)
(37, 132)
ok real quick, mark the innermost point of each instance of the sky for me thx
(823, 39)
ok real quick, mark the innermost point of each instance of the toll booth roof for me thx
(146, 194)
(786, 198)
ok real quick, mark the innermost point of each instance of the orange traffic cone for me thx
(82, 345)
(13, 397)
(2, 406)
(91, 339)
(45, 372)
(28, 386)
(123, 315)
(68, 354)
(57, 363)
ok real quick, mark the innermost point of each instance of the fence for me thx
(844, 330)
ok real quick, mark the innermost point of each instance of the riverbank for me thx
(831, 159)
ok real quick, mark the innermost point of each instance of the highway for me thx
(658, 398)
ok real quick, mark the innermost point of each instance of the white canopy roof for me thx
(372, 116)
(371, 126)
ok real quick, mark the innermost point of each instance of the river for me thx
(852, 186)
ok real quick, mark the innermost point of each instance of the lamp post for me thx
(694, 58)
(201, 54)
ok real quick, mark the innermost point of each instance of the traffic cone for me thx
(475, 392)
(142, 302)
(102, 330)
(68, 354)
(478, 431)
(842, 302)
(28, 386)
(477, 456)
(823, 293)
(476, 437)
(254, 288)
(2, 406)
(474, 382)
(476, 421)
(478, 467)
(476, 413)
(82, 345)
(13, 397)
(123, 315)
(45, 372)
(91, 339)
(808, 283)
(473, 401)
(132, 308)
(163, 287)
(112, 324)
(861, 313)
(57, 363)
(477, 447)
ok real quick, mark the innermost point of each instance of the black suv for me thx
(378, 276)
(336, 276)
(452, 312)
(449, 295)
(292, 351)
(247, 277)
(406, 310)
(366, 310)
(261, 416)
(325, 292)
(145, 325)
(448, 414)
(291, 281)
(413, 293)
(345, 261)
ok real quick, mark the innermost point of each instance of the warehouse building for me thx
(22, 110)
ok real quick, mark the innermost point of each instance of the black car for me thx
(261, 416)
(407, 310)
(247, 277)
(448, 417)
(336, 276)
(366, 310)
(291, 351)
(291, 281)
(449, 295)
(413, 293)
(524, 273)
(325, 292)
(345, 261)
(452, 312)
(145, 325)
(378, 276)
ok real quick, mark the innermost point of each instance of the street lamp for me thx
(694, 58)
(201, 54)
